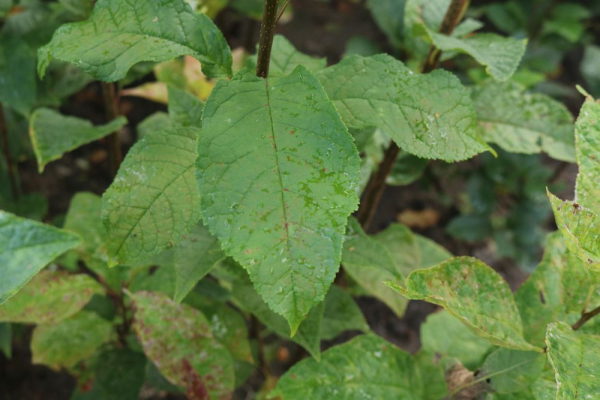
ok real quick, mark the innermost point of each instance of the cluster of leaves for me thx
(238, 208)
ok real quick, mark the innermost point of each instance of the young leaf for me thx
(154, 199)
(365, 367)
(53, 134)
(341, 314)
(49, 298)
(457, 340)
(194, 257)
(279, 170)
(25, 248)
(522, 122)
(574, 357)
(511, 371)
(285, 58)
(179, 341)
(475, 294)
(430, 116)
(17, 74)
(119, 374)
(500, 55)
(121, 33)
(69, 341)
(184, 107)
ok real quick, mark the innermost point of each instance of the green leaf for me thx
(6, 339)
(510, 371)
(285, 58)
(119, 374)
(522, 122)
(53, 134)
(574, 357)
(184, 107)
(69, 341)
(154, 199)
(406, 170)
(500, 55)
(431, 252)
(49, 298)
(430, 116)
(587, 136)
(122, 33)
(17, 74)
(401, 244)
(370, 264)
(560, 284)
(153, 123)
(447, 336)
(230, 328)
(341, 314)
(475, 294)
(389, 15)
(280, 170)
(25, 248)
(194, 257)
(179, 341)
(366, 367)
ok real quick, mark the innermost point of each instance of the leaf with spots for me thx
(64, 344)
(154, 200)
(475, 294)
(510, 371)
(122, 33)
(278, 170)
(25, 248)
(574, 357)
(179, 341)
(366, 367)
(430, 115)
(49, 298)
(522, 122)
(53, 134)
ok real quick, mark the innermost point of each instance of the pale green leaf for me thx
(509, 371)
(402, 245)
(475, 294)
(587, 136)
(69, 341)
(25, 248)
(285, 58)
(179, 341)
(431, 252)
(17, 74)
(153, 123)
(430, 116)
(367, 367)
(154, 199)
(122, 33)
(53, 134)
(49, 298)
(279, 171)
(559, 285)
(574, 357)
(184, 107)
(522, 122)
(194, 257)
(447, 336)
(500, 55)
(341, 314)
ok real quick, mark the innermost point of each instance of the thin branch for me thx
(267, 30)
(585, 317)
(111, 106)
(282, 10)
(12, 170)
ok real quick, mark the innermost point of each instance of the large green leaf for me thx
(179, 341)
(367, 367)
(285, 58)
(509, 371)
(431, 116)
(475, 294)
(500, 55)
(587, 136)
(49, 298)
(154, 199)
(17, 74)
(69, 341)
(574, 357)
(522, 122)
(184, 107)
(53, 134)
(121, 33)
(279, 171)
(341, 314)
(560, 284)
(25, 248)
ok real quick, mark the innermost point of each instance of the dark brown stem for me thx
(455, 12)
(111, 105)
(585, 317)
(374, 190)
(256, 332)
(12, 170)
(267, 30)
